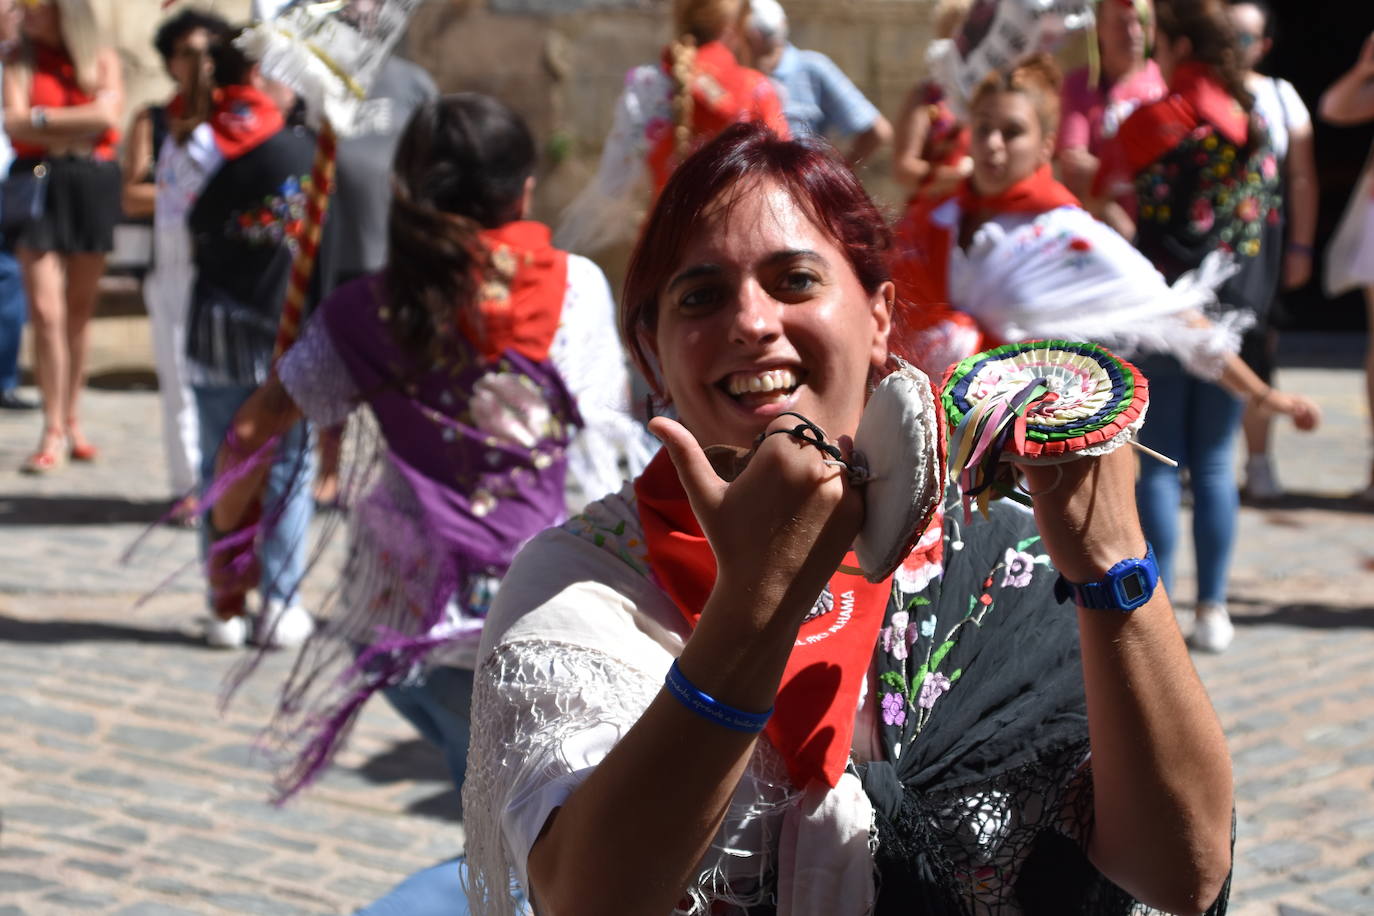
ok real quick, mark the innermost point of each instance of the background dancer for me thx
(479, 349)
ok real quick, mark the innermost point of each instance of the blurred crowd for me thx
(1158, 199)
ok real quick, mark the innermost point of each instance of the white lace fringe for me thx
(533, 697)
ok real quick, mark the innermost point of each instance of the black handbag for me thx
(23, 195)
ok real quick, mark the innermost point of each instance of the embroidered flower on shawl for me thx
(511, 408)
(1248, 209)
(1269, 168)
(894, 637)
(894, 709)
(1019, 566)
(1203, 217)
(928, 627)
(932, 688)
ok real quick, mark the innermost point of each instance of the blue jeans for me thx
(13, 310)
(438, 707)
(288, 485)
(1195, 423)
(434, 891)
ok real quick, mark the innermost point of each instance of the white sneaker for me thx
(284, 626)
(226, 634)
(1260, 482)
(1212, 628)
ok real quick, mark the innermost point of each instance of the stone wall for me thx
(561, 63)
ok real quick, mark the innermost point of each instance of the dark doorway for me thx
(1317, 41)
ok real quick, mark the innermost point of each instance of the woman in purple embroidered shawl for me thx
(466, 347)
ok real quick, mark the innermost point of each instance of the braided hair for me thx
(695, 23)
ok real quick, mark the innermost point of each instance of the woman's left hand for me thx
(1086, 512)
(1303, 411)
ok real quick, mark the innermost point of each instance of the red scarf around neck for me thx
(1039, 192)
(521, 295)
(920, 265)
(813, 717)
(242, 118)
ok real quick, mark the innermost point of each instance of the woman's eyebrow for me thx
(794, 254)
(706, 269)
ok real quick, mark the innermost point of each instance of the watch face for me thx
(1133, 586)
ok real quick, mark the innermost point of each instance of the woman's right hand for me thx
(781, 528)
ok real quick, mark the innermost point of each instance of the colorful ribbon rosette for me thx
(1041, 401)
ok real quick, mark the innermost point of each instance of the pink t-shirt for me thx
(1090, 116)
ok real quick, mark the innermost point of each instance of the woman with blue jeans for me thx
(242, 228)
(1194, 422)
(1205, 179)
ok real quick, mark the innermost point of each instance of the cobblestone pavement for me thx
(124, 790)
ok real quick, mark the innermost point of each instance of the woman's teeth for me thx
(759, 382)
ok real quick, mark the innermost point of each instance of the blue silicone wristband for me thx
(711, 709)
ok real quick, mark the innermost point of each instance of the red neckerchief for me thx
(521, 295)
(723, 92)
(813, 717)
(243, 117)
(920, 266)
(1195, 98)
(1038, 193)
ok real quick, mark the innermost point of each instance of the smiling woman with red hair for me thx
(687, 700)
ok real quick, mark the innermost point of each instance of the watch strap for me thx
(1109, 593)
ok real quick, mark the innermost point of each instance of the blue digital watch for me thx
(1125, 587)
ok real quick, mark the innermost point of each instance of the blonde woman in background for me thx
(63, 102)
(668, 109)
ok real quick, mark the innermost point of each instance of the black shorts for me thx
(80, 209)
